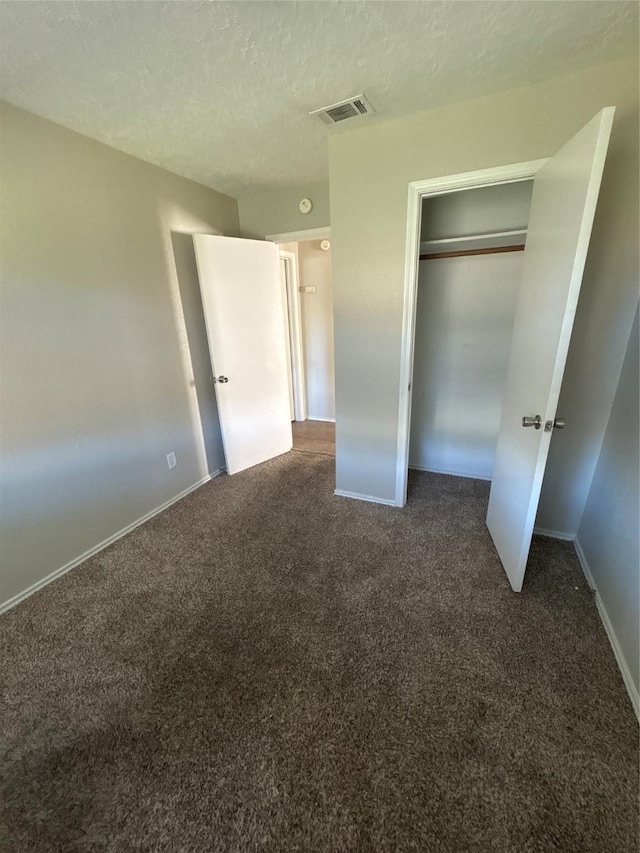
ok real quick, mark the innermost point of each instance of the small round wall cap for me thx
(305, 205)
(325, 245)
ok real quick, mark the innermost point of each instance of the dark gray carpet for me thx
(267, 667)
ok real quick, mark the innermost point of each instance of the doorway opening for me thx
(308, 301)
(469, 273)
(454, 216)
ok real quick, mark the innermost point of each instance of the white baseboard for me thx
(450, 473)
(555, 534)
(324, 420)
(16, 599)
(632, 690)
(369, 498)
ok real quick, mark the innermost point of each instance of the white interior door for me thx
(564, 200)
(244, 315)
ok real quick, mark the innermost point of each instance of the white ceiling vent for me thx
(349, 108)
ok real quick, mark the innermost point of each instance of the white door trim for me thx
(297, 236)
(418, 190)
(295, 335)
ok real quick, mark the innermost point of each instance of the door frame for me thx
(299, 377)
(298, 236)
(417, 192)
(294, 328)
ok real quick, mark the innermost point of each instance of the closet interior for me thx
(471, 254)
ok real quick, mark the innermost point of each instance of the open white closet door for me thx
(562, 210)
(245, 320)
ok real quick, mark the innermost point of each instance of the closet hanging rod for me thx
(460, 253)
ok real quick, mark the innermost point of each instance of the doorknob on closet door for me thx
(556, 423)
(220, 379)
(532, 422)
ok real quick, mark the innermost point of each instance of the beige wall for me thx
(370, 169)
(104, 360)
(609, 533)
(277, 212)
(479, 211)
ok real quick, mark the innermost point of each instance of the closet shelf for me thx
(505, 241)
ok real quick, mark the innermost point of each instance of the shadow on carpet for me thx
(268, 667)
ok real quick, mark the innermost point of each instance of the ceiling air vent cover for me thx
(349, 108)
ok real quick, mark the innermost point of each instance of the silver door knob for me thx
(222, 379)
(532, 422)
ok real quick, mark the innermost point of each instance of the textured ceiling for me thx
(219, 91)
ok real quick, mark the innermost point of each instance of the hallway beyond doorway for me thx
(314, 436)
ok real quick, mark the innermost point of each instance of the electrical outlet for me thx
(171, 460)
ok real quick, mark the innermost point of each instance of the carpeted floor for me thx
(267, 667)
